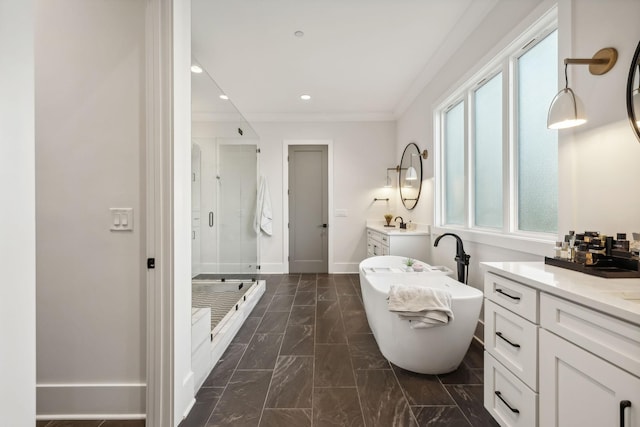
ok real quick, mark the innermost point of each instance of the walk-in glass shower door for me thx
(224, 191)
(224, 184)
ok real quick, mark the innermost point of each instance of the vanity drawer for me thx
(513, 341)
(508, 400)
(375, 236)
(513, 296)
(612, 339)
(377, 243)
(376, 249)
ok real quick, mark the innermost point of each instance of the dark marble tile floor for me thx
(306, 357)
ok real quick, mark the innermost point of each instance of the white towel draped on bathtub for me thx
(423, 307)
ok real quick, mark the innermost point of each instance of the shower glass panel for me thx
(237, 190)
(224, 184)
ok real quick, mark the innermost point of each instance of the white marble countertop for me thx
(419, 230)
(616, 297)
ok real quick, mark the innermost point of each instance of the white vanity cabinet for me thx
(562, 349)
(589, 367)
(410, 244)
(511, 351)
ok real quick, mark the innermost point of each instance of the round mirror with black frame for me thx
(633, 93)
(410, 177)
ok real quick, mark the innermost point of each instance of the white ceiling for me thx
(364, 59)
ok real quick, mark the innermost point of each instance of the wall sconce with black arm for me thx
(566, 109)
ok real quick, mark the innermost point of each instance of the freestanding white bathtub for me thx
(435, 350)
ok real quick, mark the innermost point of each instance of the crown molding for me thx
(466, 25)
(295, 117)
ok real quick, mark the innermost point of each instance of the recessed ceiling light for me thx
(299, 33)
(196, 69)
(223, 96)
(305, 97)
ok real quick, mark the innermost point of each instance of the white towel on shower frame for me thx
(264, 217)
(423, 307)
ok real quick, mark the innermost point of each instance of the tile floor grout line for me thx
(224, 389)
(273, 372)
(353, 371)
(313, 367)
(453, 398)
(404, 394)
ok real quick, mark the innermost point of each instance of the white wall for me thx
(606, 201)
(17, 218)
(361, 153)
(90, 67)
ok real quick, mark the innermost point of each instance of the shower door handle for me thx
(210, 219)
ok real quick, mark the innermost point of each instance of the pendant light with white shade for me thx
(566, 109)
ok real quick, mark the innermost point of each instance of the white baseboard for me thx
(90, 401)
(335, 268)
(345, 268)
(279, 268)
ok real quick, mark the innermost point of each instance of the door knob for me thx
(324, 225)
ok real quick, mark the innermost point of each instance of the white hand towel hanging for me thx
(264, 217)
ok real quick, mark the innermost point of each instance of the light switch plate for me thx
(341, 212)
(121, 219)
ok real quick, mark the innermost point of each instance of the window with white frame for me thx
(497, 161)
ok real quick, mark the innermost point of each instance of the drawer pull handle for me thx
(514, 410)
(624, 404)
(500, 291)
(507, 340)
